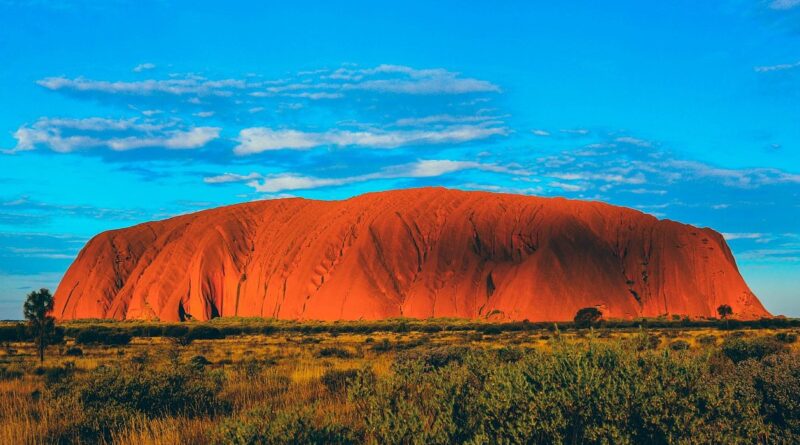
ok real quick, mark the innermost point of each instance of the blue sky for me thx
(119, 112)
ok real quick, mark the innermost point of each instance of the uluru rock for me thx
(419, 253)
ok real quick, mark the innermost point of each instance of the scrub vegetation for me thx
(253, 381)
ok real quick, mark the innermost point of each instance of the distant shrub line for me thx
(111, 332)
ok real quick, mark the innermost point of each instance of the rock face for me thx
(413, 253)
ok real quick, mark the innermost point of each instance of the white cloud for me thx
(277, 183)
(578, 131)
(143, 67)
(784, 4)
(382, 79)
(260, 139)
(743, 178)
(231, 177)
(443, 119)
(733, 236)
(567, 187)
(181, 86)
(637, 178)
(419, 169)
(406, 80)
(436, 85)
(317, 95)
(642, 191)
(634, 141)
(36, 252)
(779, 67)
(203, 114)
(174, 140)
(542, 133)
(68, 135)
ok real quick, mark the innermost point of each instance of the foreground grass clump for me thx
(416, 386)
(110, 397)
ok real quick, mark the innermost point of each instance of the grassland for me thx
(402, 381)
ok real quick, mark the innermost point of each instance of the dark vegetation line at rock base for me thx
(112, 331)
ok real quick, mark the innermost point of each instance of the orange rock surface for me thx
(420, 253)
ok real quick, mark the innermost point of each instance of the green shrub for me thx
(679, 345)
(587, 316)
(777, 381)
(231, 330)
(74, 352)
(252, 368)
(106, 399)
(786, 337)
(707, 340)
(175, 331)
(181, 390)
(491, 329)
(382, 346)
(333, 351)
(103, 336)
(14, 332)
(58, 373)
(337, 380)
(10, 372)
(199, 361)
(509, 355)
(646, 341)
(297, 425)
(203, 332)
(740, 349)
(439, 356)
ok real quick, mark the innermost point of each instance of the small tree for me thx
(42, 325)
(724, 311)
(588, 316)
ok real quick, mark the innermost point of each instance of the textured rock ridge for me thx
(420, 253)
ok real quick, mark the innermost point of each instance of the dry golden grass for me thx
(164, 431)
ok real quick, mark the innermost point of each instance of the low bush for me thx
(333, 351)
(382, 346)
(202, 332)
(183, 390)
(439, 356)
(14, 332)
(74, 352)
(104, 400)
(707, 340)
(58, 373)
(175, 331)
(509, 354)
(199, 362)
(11, 372)
(103, 336)
(740, 349)
(786, 337)
(337, 380)
(297, 425)
(679, 345)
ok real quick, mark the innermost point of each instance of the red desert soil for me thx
(420, 253)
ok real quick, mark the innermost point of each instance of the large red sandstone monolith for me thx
(413, 253)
